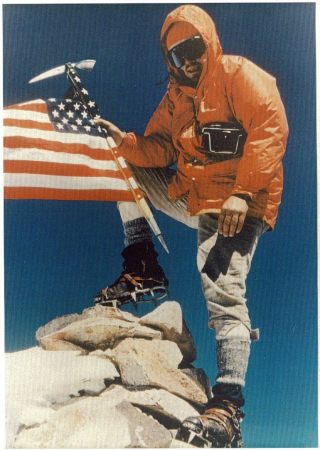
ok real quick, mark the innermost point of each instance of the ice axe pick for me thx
(86, 64)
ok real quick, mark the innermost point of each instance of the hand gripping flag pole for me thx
(82, 94)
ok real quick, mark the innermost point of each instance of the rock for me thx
(97, 311)
(56, 324)
(55, 342)
(36, 378)
(100, 311)
(201, 378)
(102, 353)
(54, 377)
(113, 381)
(96, 333)
(169, 319)
(166, 353)
(142, 364)
(179, 444)
(92, 423)
(154, 400)
(145, 432)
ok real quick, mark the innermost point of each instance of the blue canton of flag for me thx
(76, 114)
(72, 116)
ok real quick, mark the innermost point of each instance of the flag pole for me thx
(141, 202)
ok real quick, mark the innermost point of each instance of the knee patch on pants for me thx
(227, 329)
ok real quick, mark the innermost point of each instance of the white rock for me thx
(166, 352)
(95, 333)
(145, 432)
(179, 444)
(97, 311)
(142, 364)
(36, 378)
(169, 319)
(201, 379)
(159, 399)
(92, 423)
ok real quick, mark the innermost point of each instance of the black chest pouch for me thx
(222, 141)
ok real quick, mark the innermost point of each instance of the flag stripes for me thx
(68, 170)
(32, 193)
(43, 163)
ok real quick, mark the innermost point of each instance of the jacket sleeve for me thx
(155, 148)
(258, 106)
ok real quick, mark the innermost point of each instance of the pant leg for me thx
(224, 264)
(154, 182)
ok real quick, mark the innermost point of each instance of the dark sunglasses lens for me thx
(191, 49)
(176, 60)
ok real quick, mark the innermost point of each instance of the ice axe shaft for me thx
(141, 202)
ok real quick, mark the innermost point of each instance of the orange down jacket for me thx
(230, 89)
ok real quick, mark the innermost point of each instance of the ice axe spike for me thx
(85, 64)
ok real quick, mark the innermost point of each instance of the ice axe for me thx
(71, 71)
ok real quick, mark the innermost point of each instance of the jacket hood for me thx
(206, 28)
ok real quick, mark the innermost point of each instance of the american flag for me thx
(53, 150)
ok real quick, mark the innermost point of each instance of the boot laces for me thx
(223, 412)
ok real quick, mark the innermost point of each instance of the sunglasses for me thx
(191, 49)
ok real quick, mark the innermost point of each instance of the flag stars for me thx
(52, 99)
(75, 116)
(77, 79)
(84, 91)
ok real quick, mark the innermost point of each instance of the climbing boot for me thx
(141, 280)
(217, 427)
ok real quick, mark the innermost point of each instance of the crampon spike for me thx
(192, 434)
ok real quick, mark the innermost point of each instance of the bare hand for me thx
(116, 134)
(232, 216)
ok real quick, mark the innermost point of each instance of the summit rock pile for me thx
(105, 379)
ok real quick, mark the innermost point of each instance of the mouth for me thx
(193, 73)
(193, 70)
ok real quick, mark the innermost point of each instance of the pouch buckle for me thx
(223, 140)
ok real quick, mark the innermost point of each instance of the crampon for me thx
(132, 288)
(218, 427)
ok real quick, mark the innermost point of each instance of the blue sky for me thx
(58, 254)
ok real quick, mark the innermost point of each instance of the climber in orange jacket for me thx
(223, 123)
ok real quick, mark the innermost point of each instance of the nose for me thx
(188, 62)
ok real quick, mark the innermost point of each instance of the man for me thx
(224, 125)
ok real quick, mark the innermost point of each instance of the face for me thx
(188, 58)
(191, 70)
